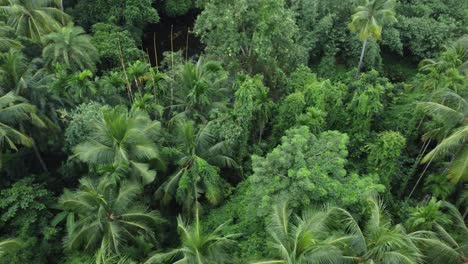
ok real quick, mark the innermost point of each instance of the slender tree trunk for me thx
(364, 45)
(122, 62)
(420, 177)
(39, 157)
(172, 66)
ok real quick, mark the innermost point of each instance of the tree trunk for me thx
(39, 157)
(364, 45)
(420, 177)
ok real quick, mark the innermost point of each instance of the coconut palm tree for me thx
(451, 130)
(303, 239)
(369, 19)
(13, 111)
(33, 18)
(106, 217)
(71, 47)
(9, 246)
(446, 72)
(377, 241)
(197, 246)
(200, 157)
(122, 136)
(6, 42)
(448, 243)
(14, 72)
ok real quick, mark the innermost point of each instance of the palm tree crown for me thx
(121, 137)
(303, 239)
(13, 110)
(105, 217)
(197, 247)
(379, 241)
(70, 46)
(369, 19)
(451, 131)
(199, 87)
(200, 155)
(33, 18)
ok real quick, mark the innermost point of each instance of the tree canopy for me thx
(220, 131)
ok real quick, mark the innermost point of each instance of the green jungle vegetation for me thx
(243, 132)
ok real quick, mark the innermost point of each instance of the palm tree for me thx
(303, 239)
(6, 42)
(379, 241)
(106, 217)
(369, 19)
(33, 18)
(445, 245)
(446, 72)
(197, 246)
(253, 95)
(199, 158)
(427, 216)
(9, 246)
(14, 110)
(199, 87)
(122, 136)
(71, 47)
(14, 72)
(451, 131)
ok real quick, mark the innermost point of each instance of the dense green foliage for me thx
(220, 131)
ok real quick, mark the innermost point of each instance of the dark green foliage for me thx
(26, 214)
(132, 14)
(425, 26)
(25, 207)
(290, 109)
(114, 44)
(176, 8)
(247, 35)
(80, 125)
(384, 158)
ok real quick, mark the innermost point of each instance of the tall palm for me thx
(70, 46)
(303, 239)
(122, 136)
(369, 19)
(106, 217)
(13, 111)
(378, 241)
(33, 18)
(200, 155)
(9, 246)
(199, 86)
(197, 246)
(450, 113)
